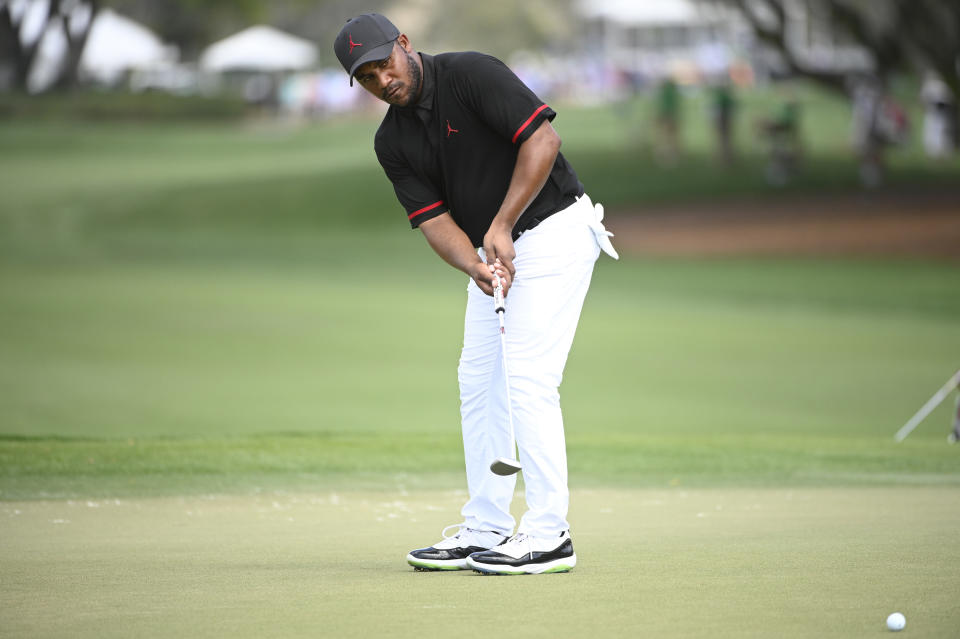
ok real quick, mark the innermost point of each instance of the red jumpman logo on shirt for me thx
(450, 129)
(353, 44)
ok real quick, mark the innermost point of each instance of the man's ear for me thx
(404, 42)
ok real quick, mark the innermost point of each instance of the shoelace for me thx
(460, 528)
(520, 542)
(518, 538)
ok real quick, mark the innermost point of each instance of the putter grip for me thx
(498, 305)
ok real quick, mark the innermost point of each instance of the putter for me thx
(504, 465)
(926, 409)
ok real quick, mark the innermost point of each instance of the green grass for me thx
(730, 371)
(228, 401)
(107, 106)
(612, 150)
(64, 181)
(659, 563)
(190, 306)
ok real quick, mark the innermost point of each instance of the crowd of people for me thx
(879, 123)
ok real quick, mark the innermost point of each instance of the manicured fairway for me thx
(658, 563)
(228, 405)
(127, 378)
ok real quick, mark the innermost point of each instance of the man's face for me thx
(395, 80)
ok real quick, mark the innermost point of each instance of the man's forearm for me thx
(534, 162)
(450, 242)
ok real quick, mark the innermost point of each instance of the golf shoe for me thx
(526, 555)
(451, 553)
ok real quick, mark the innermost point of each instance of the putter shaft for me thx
(504, 465)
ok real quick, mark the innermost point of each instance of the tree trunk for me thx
(12, 50)
(69, 74)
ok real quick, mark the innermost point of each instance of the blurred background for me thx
(743, 97)
(200, 255)
(225, 357)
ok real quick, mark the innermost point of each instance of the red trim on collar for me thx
(527, 123)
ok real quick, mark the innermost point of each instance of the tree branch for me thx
(931, 30)
(776, 36)
(886, 51)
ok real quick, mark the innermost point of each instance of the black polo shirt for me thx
(455, 150)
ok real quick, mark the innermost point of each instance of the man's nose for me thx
(383, 78)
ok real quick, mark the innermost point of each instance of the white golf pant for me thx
(554, 264)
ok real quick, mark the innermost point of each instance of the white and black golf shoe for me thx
(526, 555)
(452, 552)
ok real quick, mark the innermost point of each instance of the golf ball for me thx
(896, 622)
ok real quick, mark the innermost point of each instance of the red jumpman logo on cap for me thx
(353, 44)
(450, 129)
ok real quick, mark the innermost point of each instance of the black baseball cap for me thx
(367, 37)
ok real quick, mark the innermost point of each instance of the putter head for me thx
(504, 466)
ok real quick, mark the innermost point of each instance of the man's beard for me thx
(416, 77)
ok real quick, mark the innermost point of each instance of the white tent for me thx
(661, 12)
(117, 44)
(259, 48)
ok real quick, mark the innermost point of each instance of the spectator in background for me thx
(939, 118)
(781, 135)
(866, 140)
(668, 122)
(723, 107)
(878, 122)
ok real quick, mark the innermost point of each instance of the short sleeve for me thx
(500, 98)
(420, 199)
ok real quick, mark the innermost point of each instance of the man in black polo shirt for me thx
(475, 163)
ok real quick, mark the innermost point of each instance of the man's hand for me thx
(451, 243)
(534, 162)
(485, 276)
(500, 252)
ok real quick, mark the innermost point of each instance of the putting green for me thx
(677, 563)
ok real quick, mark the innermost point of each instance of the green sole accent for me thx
(558, 569)
(486, 571)
(498, 572)
(432, 567)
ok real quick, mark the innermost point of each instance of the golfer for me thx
(475, 163)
